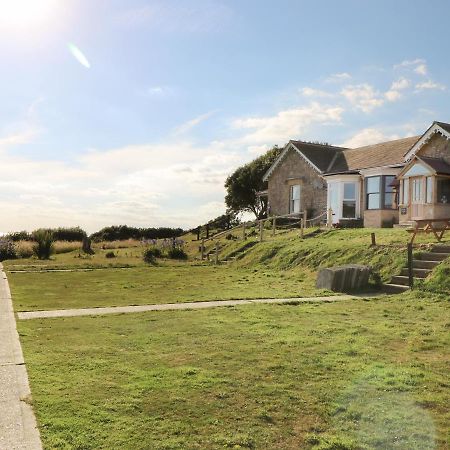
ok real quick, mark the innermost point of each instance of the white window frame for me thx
(292, 200)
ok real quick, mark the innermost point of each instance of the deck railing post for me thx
(410, 265)
(329, 218)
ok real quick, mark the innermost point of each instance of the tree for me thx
(246, 181)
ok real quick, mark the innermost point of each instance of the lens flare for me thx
(79, 56)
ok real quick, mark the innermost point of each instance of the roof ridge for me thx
(381, 143)
(318, 144)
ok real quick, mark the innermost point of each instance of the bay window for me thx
(379, 192)
(429, 190)
(443, 190)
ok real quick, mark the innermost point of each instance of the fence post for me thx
(410, 265)
(329, 218)
(207, 230)
(261, 230)
(244, 237)
(203, 249)
(274, 226)
(301, 227)
(305, 214)
(374, 242)
(217, 254)
(198, 233)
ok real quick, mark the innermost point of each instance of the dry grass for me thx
(106, 245)
(25, 248)
(66, 246)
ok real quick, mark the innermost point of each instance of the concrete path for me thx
(169, 306)
(17, 422)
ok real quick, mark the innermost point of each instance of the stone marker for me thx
(351, 277)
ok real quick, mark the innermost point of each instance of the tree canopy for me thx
(246, 181)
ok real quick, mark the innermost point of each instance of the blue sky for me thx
(179, 93)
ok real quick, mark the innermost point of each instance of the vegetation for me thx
(177, 253)
(123, 232)
(244, 183)
(7, 249)
(168, 282)
(74, 234)
(110, 254)
(346, 375)
(43, 246)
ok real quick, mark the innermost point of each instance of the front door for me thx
(417, 197)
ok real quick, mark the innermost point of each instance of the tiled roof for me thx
(437, 164)
(379, 155)
(321, 155)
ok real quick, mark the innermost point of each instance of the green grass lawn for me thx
(168, 283)
(348, 375)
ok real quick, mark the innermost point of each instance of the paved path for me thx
(17, 422)
(169, 306)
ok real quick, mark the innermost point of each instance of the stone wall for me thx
(437, 147)
(377, 218)
(293, 169)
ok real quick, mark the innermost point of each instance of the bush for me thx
(149, 256)
(177, 253)
(154, 251)
(7, 249)
(24, 249)
(43, 246)
(110, 255)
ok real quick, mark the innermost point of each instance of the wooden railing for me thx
(300, 221)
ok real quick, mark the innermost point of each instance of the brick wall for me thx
(295, 170)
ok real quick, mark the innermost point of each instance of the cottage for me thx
(295, 179)
(378, 185)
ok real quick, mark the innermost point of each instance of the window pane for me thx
(429, 189)
(389, 200)
(373, 201)
(443, 190)
(373, 185)
(348, 209)
(406, 191)
(295, 192)
(350, 191)
(417, 190)
(388, 179)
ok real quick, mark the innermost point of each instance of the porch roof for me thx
(437, 164)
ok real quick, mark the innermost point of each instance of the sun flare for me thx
(26, 13)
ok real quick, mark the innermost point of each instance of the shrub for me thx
(149, 256)
(177, 253)
(110, 254)
(24, 249)
(43, 246)
(155, 251)
(7, 249)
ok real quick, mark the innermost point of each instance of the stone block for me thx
(348, 278)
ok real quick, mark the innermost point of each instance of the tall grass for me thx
(43, 246)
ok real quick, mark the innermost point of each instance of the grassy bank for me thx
(347, 375)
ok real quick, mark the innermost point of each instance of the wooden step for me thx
(433, 256)
(418, 273)
(400, 279)
(441, 249)
(390, 288)
(421, 264)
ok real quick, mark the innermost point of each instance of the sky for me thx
(135, 111)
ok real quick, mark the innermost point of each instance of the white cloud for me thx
(400, 84)
(363, 97)
(409, 63)
(158, 91)
(258, 149)
(421, 69)
(392, 95)
(311, 92)
(430, 85)
(368, 136)
(338, 77)
(287, 124)
(190, 124)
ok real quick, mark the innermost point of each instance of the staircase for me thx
(422, 267)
